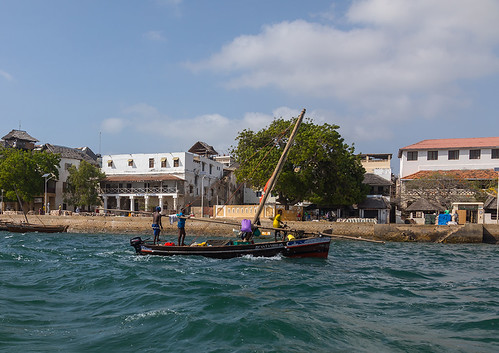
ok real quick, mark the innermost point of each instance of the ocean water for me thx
(91, 293)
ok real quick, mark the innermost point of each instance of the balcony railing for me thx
(149, 190)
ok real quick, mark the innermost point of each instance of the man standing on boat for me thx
(278, 224)
(181, 227)
(156, 224)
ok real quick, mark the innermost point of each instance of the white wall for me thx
(443, 163)
(190, 168)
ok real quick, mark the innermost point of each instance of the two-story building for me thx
(463, 158)
(142, 181)
(69, 157)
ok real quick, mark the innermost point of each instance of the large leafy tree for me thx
(22, 171)
(82, 185)
(321, 167)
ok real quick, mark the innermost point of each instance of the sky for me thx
(151, 76)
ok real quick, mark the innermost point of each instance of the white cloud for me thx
(6, 75)
(149, 124)
(155, 36)
(113, 125)
(399, 59)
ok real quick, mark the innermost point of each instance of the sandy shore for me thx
(469, 233)
(142, 225)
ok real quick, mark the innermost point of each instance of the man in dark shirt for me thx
(156, 224)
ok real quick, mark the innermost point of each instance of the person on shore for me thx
(278, 224)
(444, 218)
(181, 227)
(156, 224)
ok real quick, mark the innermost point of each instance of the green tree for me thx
(22, 170)
(321, 167)
(82, 185)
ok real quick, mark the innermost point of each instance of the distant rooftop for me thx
(203, 149)
(71, 153)
(468, 174)
(19, 135)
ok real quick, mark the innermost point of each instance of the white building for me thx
(449, 154)
(464, 158)
(170, 180)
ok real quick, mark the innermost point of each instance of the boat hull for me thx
(40, 228)
(307, 247)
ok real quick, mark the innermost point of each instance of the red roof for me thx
(472, 142)
(141, 177)
(468, 174)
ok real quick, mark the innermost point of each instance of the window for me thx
(432, 155)
(130, 162)
(109, 163)
(67, 165)
(453, 154)
(474, 154)
(176, 162)
(151, 162)
(412, 155)
(495, 153)
(203, 164)
(211, 168)
(163, 162)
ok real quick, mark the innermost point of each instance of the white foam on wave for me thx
(150, 314)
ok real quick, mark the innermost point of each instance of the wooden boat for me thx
(3, 225)
(306, 247)
(298, 246)
(40, 228)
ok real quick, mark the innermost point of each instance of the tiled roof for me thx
(376, 203)
(422, 205)
(472, 142)
(68, 152)
(468, 174)
(203, 149)
(373, 179)
(19, 135)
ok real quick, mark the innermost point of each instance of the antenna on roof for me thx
(19, 124)
(100, 142)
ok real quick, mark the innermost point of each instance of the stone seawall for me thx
(469, 233)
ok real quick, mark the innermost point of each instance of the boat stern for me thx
(136, 243)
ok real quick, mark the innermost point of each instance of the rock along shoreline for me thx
(468, 233)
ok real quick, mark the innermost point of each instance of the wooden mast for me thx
(273, 179)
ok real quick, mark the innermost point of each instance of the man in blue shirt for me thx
(181, 227)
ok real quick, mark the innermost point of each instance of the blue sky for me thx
(158, 75)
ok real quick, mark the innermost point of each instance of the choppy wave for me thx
(91, 293)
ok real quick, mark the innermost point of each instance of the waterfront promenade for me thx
(141, 225)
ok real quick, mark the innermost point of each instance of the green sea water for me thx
(91, 293)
